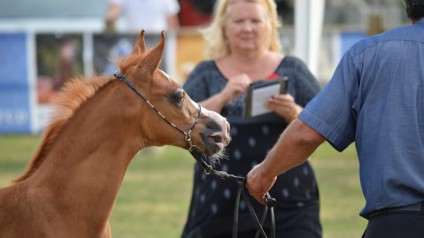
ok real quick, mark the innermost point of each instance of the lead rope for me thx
(269, 201)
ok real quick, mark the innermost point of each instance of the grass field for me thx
(155, 194)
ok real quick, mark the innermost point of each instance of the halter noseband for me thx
(187, 135)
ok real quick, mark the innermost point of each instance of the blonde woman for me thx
(243, 46)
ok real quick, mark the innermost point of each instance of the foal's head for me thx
(168, 115)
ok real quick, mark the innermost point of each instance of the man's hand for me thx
(258, 184)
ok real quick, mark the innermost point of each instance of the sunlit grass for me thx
(155, 194)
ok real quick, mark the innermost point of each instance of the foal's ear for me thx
(139, 46)
(152, 60)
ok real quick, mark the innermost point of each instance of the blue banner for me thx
(14, 87)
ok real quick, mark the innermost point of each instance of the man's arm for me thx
(112, 14)
(173, 22)
(293, 148)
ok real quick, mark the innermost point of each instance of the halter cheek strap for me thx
(187, 135)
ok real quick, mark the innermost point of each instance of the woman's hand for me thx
(285, 106)
(236, 86)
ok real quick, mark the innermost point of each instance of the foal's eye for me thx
(179, 97)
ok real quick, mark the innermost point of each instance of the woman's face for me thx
(246, 27)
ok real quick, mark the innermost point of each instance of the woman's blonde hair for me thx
(214, 37)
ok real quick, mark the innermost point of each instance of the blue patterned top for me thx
(212, 203)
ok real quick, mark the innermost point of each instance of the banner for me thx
(15, 115)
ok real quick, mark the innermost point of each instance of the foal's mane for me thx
(72, 95)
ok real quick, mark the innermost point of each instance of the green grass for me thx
(340, 193)
(155, 194)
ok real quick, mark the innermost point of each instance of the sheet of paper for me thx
(260, 96)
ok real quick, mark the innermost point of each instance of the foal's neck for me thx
(87, 163)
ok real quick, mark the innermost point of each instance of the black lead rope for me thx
(269, 201)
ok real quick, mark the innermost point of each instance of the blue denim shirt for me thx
(376, 99)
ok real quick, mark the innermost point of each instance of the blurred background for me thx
(45, 43)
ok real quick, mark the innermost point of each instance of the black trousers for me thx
(402, 224)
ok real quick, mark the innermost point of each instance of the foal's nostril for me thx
(216, 138)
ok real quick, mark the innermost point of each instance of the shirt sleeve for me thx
(331, 112)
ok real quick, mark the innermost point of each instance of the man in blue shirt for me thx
(375, 99)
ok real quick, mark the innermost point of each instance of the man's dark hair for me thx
(414, 9)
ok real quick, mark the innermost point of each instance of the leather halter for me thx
(187, 135)
(208, 169)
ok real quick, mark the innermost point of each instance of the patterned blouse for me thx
(213, 199)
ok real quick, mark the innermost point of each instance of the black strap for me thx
(269, 201)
